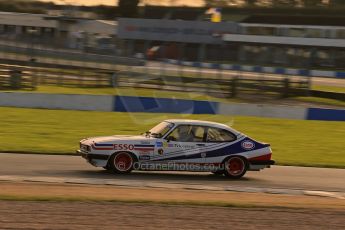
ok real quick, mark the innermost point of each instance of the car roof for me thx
(202, 123)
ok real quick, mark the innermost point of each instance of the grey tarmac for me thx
(74, 169)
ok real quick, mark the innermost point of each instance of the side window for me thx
(219, 135)
(187, 133)
(198, 133)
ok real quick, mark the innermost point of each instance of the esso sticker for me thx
(247, 145)
(123, 147)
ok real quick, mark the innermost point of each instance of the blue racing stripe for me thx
(228, 150)
(144, 146)
(99, 145)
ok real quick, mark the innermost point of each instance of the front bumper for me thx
(94, 159)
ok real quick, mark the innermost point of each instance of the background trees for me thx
(128, 8)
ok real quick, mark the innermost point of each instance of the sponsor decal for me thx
(112, 146)
(159, 144)
(181, 146)
(247, 145)
(160, 151)
(144, 157)
(123, 147)
(145, 152)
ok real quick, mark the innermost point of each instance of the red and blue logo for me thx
(247, 145)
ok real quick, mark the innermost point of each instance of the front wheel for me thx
(122, 162)
(235, 167)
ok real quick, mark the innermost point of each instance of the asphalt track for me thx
(62, 167)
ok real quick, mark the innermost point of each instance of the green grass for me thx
(321, 101)
(294, 142)
(337, 89)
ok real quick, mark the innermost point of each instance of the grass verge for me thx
(337, 89)
(321, 101)
(294, 142)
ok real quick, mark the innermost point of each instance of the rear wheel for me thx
(235, 167)
(121, 162)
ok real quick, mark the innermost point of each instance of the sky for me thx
(112, 2)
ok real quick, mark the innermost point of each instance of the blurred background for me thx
(290, 50)
(272, 69)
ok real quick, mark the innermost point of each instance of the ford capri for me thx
(180, 145)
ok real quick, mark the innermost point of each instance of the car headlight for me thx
(85, 148)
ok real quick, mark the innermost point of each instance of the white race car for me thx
(185, 145)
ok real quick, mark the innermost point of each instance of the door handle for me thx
(200, 144)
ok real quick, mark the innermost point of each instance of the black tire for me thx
(122, 162)
(235, 167)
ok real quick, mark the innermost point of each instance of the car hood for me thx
(116, 139)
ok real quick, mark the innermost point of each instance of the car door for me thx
(185, 145)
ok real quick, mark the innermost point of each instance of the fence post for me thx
(147, 45)
(181, 58)
(114, 80)
(15, 79)
(308, 82)
(233, 86)
(130, 49)
(286, 85)
(201, 57)
(162, 54)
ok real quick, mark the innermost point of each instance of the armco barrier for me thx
(290, 112)
(261, 69)
(326, 114)
(163, 105)
(57, 101)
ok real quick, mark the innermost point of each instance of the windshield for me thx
(161, 129)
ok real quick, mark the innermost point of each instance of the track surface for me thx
(281, 177)
(79, 215)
